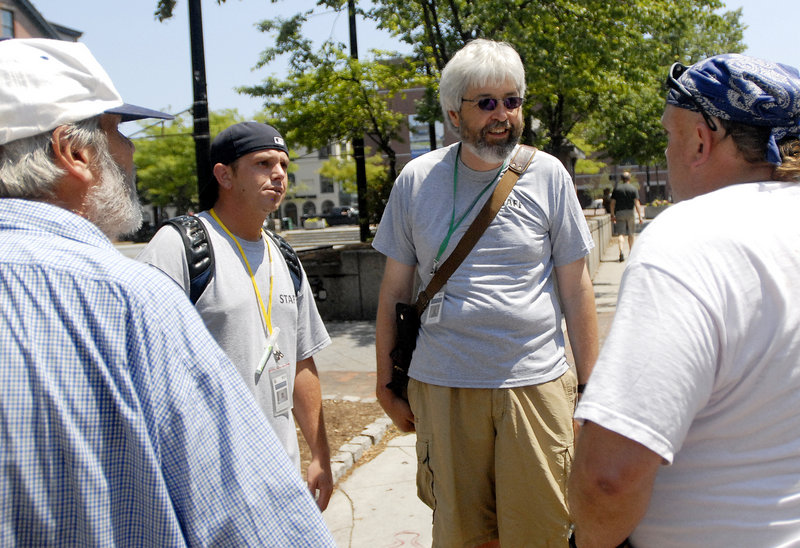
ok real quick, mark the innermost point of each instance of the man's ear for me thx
(223, 175)
(454, 118)
(75, 161)
(704, 137)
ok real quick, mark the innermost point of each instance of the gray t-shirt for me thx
(500, 324)
(232, 314)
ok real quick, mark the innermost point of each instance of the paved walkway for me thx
(376, 506)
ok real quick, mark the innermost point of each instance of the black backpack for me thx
(200, 254)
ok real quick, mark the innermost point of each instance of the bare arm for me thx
(577, 298)
(308, 413)
(397, 286)
(609, 487)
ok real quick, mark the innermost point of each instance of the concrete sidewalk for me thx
(376, 505)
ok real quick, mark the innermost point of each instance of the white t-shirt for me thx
(500, 324)
(702, 366)
(231, 312)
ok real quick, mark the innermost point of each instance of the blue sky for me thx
(150, 61)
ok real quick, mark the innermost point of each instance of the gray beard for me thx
(113, 205)
(475, 141)
(491, 153)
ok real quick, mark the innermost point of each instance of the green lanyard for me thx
(453, 224)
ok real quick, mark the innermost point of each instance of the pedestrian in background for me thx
(625, 211)
(701, 369)
(491, 394)
(123, 422)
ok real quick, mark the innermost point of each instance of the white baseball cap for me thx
(48, 83)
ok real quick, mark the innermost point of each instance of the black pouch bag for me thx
(407, 330)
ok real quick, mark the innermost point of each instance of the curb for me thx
(348, 454)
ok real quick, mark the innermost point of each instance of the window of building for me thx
(309, 209)
(6, 23)
(325, 184)
(324, 153)
(420, 136)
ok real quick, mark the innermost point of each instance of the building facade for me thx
(20, 19)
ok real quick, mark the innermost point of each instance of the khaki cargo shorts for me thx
(494, 463)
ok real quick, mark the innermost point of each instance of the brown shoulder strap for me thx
(516, 167)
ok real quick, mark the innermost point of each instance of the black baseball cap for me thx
(243, 138)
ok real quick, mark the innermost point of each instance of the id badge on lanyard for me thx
(279, 371)
(433, 314)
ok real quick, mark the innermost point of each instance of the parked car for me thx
(342, 215)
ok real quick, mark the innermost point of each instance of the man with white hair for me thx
(691, 416)
(123, 422)
(491, 394)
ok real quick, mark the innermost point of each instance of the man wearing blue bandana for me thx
(696, 441)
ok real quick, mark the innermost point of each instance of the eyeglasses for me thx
(490, 103)
(675, 72)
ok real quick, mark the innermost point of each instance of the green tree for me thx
(165, 160)
(580, 55)
(329, 97)
(627, 122)
(593, 63)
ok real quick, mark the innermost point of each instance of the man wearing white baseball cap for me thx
(123, 422)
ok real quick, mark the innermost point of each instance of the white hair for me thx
(27, 169)
(480, 63)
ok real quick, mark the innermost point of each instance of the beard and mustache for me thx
(113, 204)
(475, 139)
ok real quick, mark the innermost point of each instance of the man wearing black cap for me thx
(123, 422)
(269, 331)
(709, 308)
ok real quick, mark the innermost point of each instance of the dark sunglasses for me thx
(675, 72)
(490, 103)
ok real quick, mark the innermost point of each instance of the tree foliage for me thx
(593, 64)
(627, 121)
(165, 9)
(327, 96)
(587, 61)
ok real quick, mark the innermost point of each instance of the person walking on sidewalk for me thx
(269, 331)
(123, 422)
(625, 210)
(708, 308)
(491, 394)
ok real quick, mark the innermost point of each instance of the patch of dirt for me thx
(345, 420)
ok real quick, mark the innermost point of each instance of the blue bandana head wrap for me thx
(746, 90)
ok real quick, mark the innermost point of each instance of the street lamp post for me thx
(201, 132)
(358, 142)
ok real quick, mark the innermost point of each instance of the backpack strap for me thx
(199, 253)
(292, 261)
